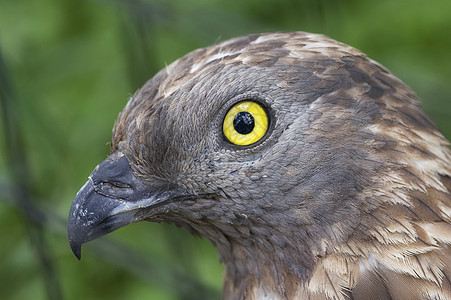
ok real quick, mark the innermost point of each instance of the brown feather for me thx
(359, 206)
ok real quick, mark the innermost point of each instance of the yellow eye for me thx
(245, 123)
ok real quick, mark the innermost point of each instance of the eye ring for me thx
(245, 123)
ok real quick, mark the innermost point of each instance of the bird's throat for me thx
(263, 273)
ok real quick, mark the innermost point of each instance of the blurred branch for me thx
(137, 38)
(19, 172)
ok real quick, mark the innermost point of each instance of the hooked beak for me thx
(110, 199)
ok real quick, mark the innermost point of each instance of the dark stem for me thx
(16, 158)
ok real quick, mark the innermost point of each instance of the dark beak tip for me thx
(76, 248)
(73, 236)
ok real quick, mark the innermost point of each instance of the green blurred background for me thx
(68, 67)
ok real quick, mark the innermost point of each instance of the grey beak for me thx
(110, 199)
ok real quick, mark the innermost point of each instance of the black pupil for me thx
(243, 122)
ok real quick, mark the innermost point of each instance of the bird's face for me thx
(177, 155)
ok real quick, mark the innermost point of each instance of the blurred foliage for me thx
(68, 67)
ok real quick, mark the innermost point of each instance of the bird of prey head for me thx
(312, 169)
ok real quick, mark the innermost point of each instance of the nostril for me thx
(119, 185)
(117, 190)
